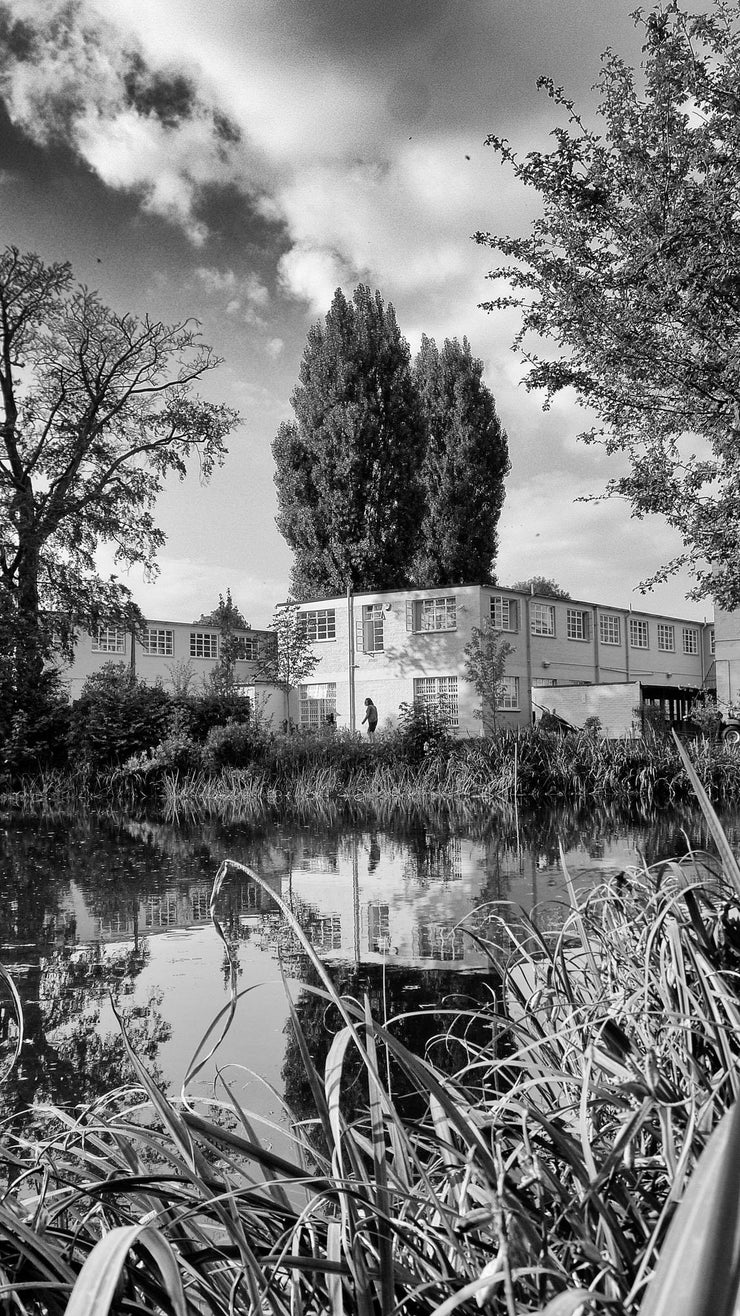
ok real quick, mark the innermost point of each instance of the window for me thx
(438, 692)
(440, 941)
(711, 641)
(543, 682)
(246, 648)
(326, 932)
(509, 692)
(690, 639)
(378, 927)
(316, 703)
(109, 639)
(666, 637)
(204, 644)
(432, 615)
(200, 902)
(157, 640)
(542, 619)
(504, 614)
(320, 624)
(638, 633)
(610, 631)
(369, 629)
(578, 624)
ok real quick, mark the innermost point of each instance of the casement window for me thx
(159, 641)
(378, 927)
(690, 639)
(440, 941)
(200, 903)
(425, 615)
(369, 629)
(316, 702)
(504, 616)
(711, 641)
(666, 637)
(542, 618)
(578, 624)
(109, 639)
(246, 648)
(438, 692)
(639, 637)
(320, 624)
(204, 644)
(509, 692)
(610, 630)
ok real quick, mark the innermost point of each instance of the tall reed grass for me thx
(586, 1158)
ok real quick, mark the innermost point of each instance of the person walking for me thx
(371, 717)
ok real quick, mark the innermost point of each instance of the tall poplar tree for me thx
(465, 464)
(350, 497)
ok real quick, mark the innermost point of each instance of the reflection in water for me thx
(82, 901)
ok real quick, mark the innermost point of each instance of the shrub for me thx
(233, 745)
(423, 729)
(116, 716)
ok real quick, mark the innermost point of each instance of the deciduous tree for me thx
(97, 409)
(632, 272)
(485, 667)
(547, 589)
(348, 467)
(291, 659)
(466, 460)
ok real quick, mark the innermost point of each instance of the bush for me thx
(423, 729)
(233, 745)
(116, 716)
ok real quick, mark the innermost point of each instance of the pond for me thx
(106, 913)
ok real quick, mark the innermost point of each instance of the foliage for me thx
(632, 271)
(423, 729)
(97, 409)
(233, 745)
(465, 463)
(116, 716)
(292, 659)
(541, 587)
(485, 667)
(221, 679)
(581, 1154)
(347, 468)
(33, 737)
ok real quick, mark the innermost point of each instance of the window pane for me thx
(157, 640)
(609, 628)
(542, 619)
(438, 614)
(204, 644)
(438, 692)
(690, 640)
(109, 639)
(666, 637)
(503, 613)
(320, 623)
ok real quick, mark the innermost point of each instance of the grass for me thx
(585, 1159)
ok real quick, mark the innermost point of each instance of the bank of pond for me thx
(419, 763)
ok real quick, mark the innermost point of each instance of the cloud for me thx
(72, 77)
(247, 296)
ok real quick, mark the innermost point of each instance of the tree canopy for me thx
(97, 409)
(632, 272)
(466, 460)
(390, 475)
(540, 585)
(347, 468)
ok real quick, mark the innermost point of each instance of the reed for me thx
(586, 1159)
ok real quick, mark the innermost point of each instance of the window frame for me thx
(431, 616)
(119, 638)
(157, 652)
(436, 695)
(670, 645)
(509, 699)
(195, 636)
(610, 623)
(313, 712)
(316, 620)
(536, 615)
(581, 616)
(370, 625)
(690, 636)
(644, 629)
(506, 607)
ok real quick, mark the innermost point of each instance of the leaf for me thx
(730, 865)
(698, 1271)
(96, 1283)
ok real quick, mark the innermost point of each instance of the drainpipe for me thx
(351, 656)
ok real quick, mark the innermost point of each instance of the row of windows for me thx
(159, 641)
(318, 702)
(578, 622)
(440, 614)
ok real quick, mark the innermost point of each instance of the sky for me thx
(239, 161)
